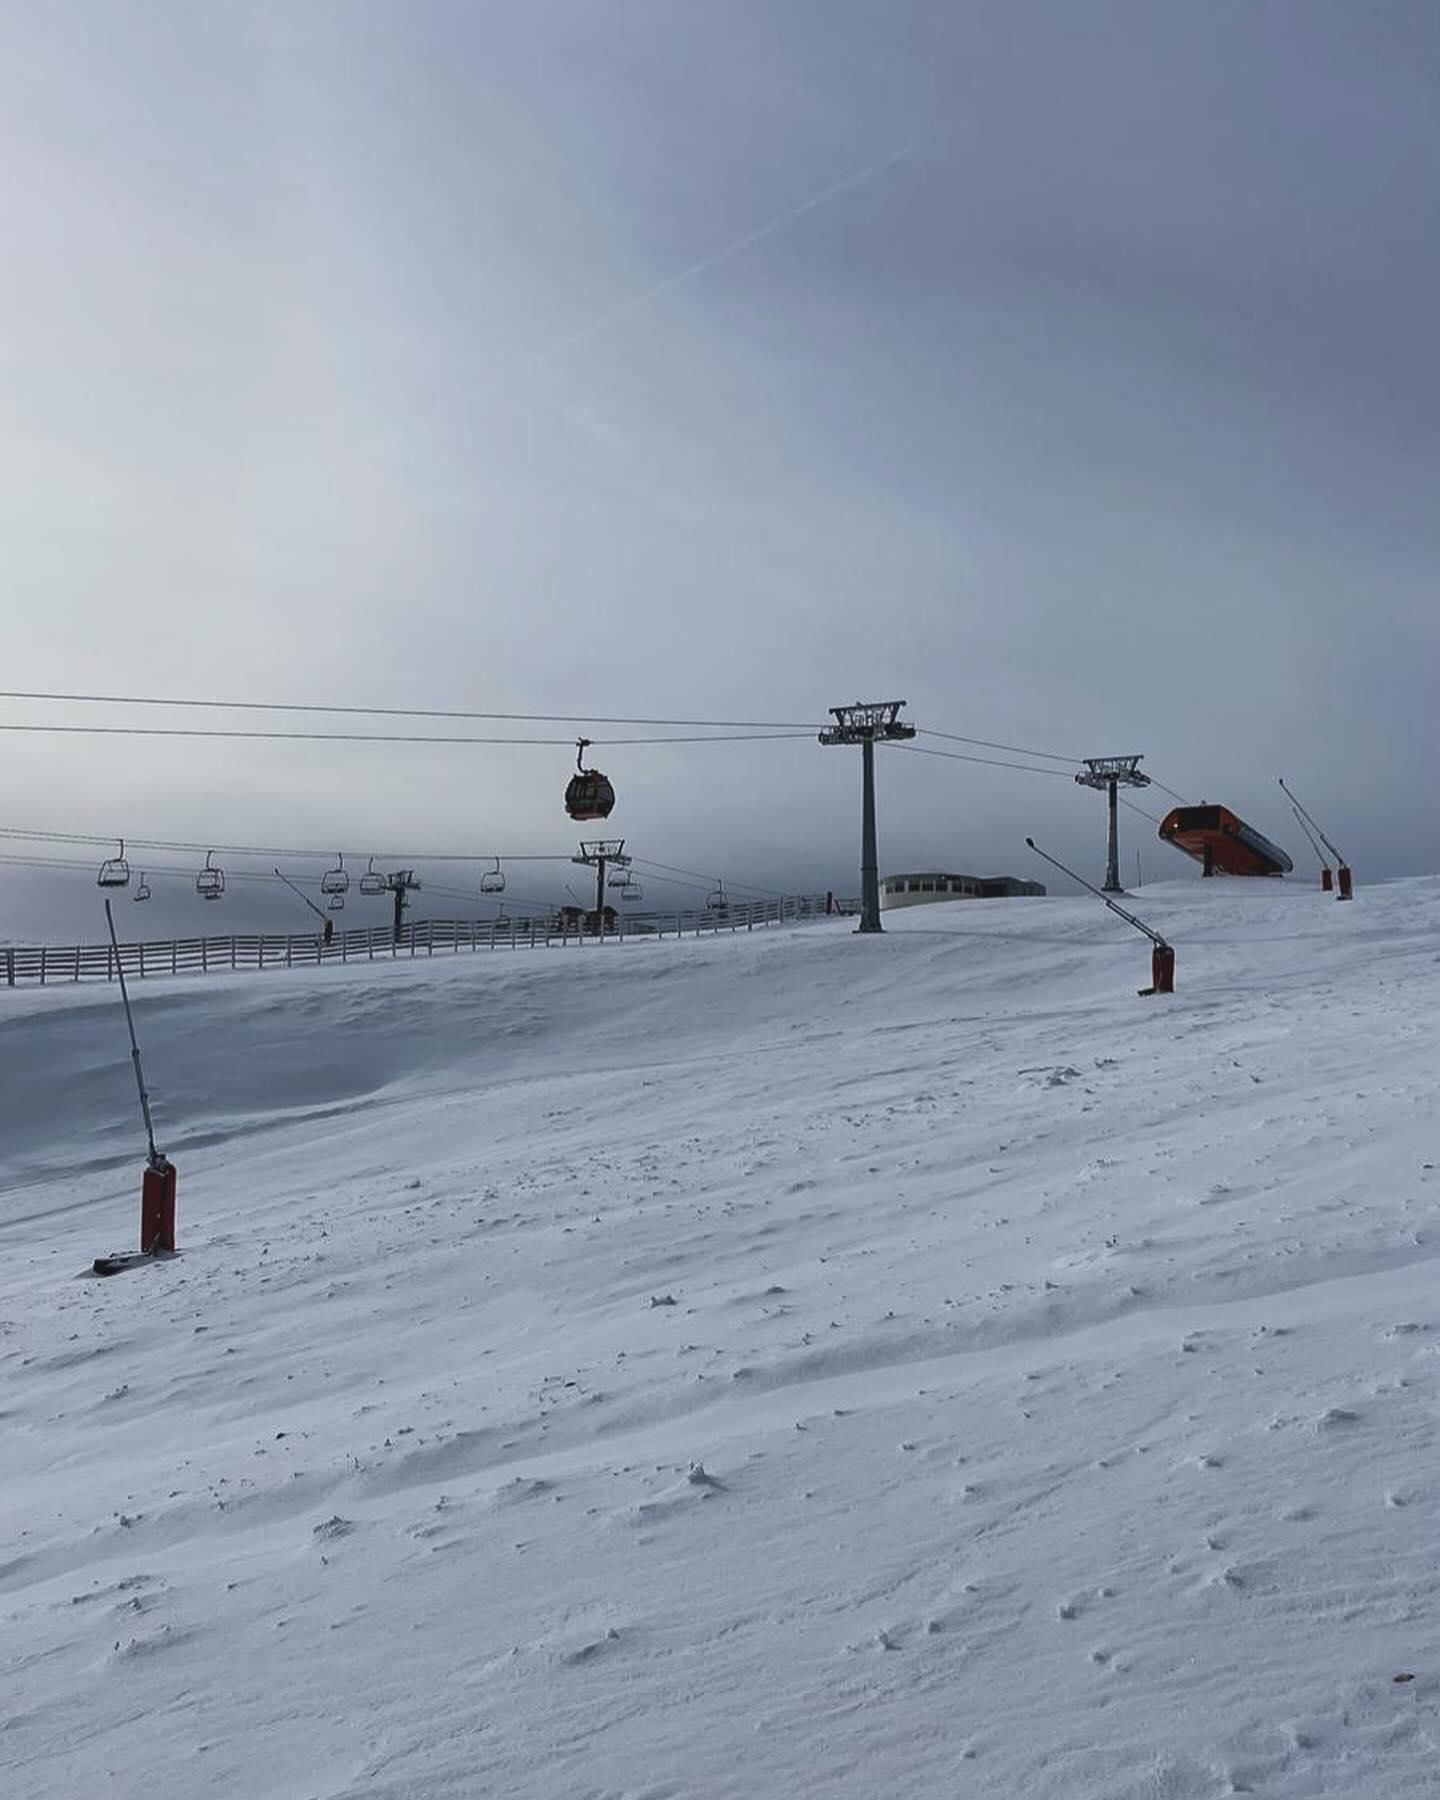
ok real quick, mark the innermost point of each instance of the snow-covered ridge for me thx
(803, 1366)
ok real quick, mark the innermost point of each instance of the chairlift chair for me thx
(632, 891)
(142, 888)
(589, 794)
(336, 902)
(336, 881)
(372, 881)
(210, 882)
(717, 902)
(114, 871)
(493, 880)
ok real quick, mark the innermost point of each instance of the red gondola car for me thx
(1225, 844)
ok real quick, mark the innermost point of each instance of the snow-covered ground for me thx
(784, 1366)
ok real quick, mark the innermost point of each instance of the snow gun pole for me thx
(1162, 960)
(1342, 868)
(157, 1188)
(1326, 880)
(305, 897)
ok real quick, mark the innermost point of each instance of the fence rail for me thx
(47, 964)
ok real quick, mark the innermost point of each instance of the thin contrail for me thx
(671, 282)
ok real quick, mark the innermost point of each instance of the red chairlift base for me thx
(1347, 891)
(1327, 881)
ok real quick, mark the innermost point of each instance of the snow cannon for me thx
(157, 1185)
(1162, 955)
(1345, 889)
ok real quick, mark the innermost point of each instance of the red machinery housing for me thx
(1225, 844)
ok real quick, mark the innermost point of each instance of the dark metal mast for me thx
(1112, 773)
(863, 724)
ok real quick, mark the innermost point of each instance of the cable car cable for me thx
(954, 737)
(385, 737)
(989, 762)
(409, 712)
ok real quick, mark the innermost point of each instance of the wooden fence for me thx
(49, 963)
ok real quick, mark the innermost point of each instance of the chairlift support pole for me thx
(1163, 958)
(157, 1186)
(601, 854)
(863, 724)
(400, 882)
(1112, 773)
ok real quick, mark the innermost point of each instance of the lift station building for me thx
(929, 886)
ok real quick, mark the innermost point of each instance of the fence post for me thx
(232, 950)
(142, 962)
(174, 956)
(204, 956)
(42, 965)
(9, 968)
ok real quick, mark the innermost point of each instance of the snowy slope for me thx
(791, 1365)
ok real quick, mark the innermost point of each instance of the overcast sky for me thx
(1081, 387)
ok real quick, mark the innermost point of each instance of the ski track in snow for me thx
(784, 1365)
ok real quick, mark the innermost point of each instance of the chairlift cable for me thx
(190, 703)
(708, 880)
(73, 837)
(390, 737)
(954, 737)
(990, 762)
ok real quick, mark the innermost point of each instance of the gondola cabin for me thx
(589, 794)
(1223, 843)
